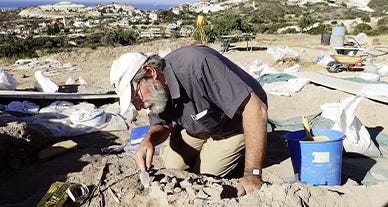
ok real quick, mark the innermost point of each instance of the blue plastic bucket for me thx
(317, 162)
(337, 37)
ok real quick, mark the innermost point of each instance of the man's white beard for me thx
(157, 99)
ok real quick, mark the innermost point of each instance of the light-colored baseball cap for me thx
(121, 74)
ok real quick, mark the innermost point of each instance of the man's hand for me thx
(143, 155)
(249, 183)
(254, 113)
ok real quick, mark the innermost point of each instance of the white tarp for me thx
(64, 119)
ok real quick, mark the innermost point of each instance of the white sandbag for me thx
(92, 118)
(288, 88)
(254, 68)
(114, 108)
(7, 82)
(82, 81)
(357, 138)
(280, 54)
(42, 83)
(361, 38)
(70, 81)
(370, 67)
(296, 84)
(325, 60)
(56, 107)
(382, 69)
(258, 69)
(277, 88)
(292, 69)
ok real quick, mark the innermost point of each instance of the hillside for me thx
(277, 13)
(275, 24)
(27, 179)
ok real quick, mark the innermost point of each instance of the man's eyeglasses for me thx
(135, 94)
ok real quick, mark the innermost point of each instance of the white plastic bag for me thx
(88, 117)
(258, 69)
(42, 83)
(357, 138)
(7, 82)
(293, 69)
(382, 69)
(280, 54)
(325, 60)
(288, 88)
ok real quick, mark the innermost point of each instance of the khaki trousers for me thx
(204, 156)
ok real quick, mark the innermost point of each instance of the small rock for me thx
(177, 190)
(185, 183)
(197, 187)
(202, 195)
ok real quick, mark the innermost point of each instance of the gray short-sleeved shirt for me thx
(206, 91)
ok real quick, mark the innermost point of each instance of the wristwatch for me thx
(254, 171)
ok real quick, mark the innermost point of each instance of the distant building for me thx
(153, 16)
(177, 11)
(184, 32)
(152, 32)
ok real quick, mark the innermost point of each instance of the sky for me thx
(142, 1)
(159, 1)
(27, 3)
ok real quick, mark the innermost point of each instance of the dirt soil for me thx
(25, 179)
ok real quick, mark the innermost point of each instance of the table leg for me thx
(225, 45)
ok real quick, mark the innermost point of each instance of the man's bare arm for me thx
(158, 133)
(254, 114)
(155, 135)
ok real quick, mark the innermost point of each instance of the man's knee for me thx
(171, 159)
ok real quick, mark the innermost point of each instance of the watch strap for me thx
(254, 171)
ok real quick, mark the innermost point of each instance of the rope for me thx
(381, 48)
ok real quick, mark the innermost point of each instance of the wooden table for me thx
(225, 40)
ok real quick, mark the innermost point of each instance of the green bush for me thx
(380, 30)
(362, 28)
(231, 23)
(321, 29)
(118, 37)
(167, 16)
(365, 18)
(378, 5)
(262, 28)
(290, 31)
(383, 21)
(20, 48)
(305, 22)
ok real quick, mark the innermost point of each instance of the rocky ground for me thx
(25, 179)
